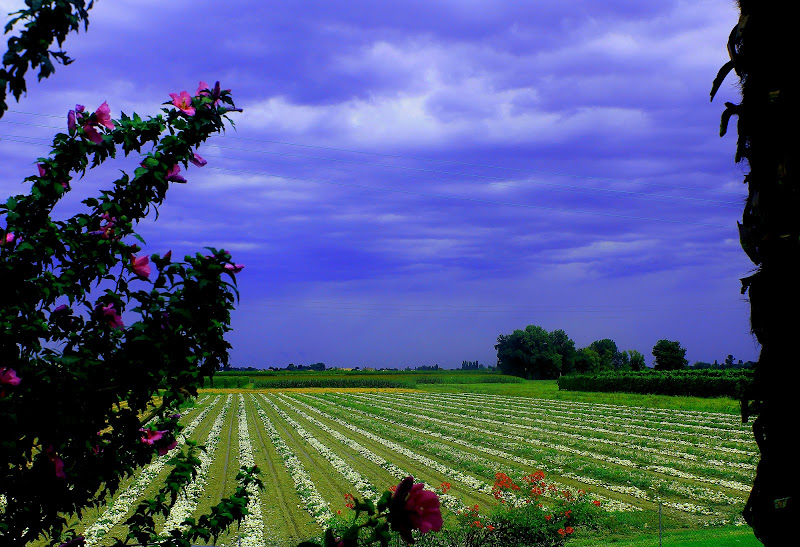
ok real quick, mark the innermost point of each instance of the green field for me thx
(691, 457)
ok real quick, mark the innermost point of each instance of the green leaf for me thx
(730, 110)
(723, 72)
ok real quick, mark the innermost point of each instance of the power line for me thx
(439, 308)
(570, 188)
(626, 193)
(465, 198)
(416, 158)
(478, 200)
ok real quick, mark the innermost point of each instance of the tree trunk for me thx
(765, 55)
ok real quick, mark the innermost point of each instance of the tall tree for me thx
(636, 360)
(762, 48)
(528, 353)
(670, 355)
(565, 347)
(608, 352)
(587, 360)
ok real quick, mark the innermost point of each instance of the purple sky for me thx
(410, 179)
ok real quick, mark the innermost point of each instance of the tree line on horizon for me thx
(536, 354)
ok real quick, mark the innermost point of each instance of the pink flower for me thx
(149, 437)
(141, 265)
(168, 255)
(78, 541)
(173, 175)
(234, 268)
(203, 91)
(414, 508)
(106, 231)
(9, 376)
(198, 160)
(8, 238)
(74, 117)
(166, 448)
(103, 116)
(42, 171)
(423, 508)
(184, 102)
(92, 134)
(111, 315)
(57, 462)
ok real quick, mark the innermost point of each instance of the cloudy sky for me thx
(410, 179)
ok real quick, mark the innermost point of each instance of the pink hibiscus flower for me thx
(184, 102)
(198, 160)
(163, 449)
(103, 116)
(149, 437)
(234, 268)
(172, 174)
(141, 265)
(414, 508)
(204, 90)
(9, 376)
(111, 315)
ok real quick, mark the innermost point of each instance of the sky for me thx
(410, 179)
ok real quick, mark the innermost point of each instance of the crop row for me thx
(315, 448)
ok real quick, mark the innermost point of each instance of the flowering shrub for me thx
(77, 382)
(402, 509)
(533, 514)
(536, 513)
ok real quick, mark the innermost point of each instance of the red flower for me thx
(596, 502)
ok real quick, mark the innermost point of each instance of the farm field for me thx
(314, 446)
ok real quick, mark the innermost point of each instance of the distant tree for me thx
(565, 347)
(587, 360)
(729, 361)
(636, 360)
(625, 361)
(609, 354)
(291, 367)
(669, 355)
(528, 353)
(701, 365)
(317, 366)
